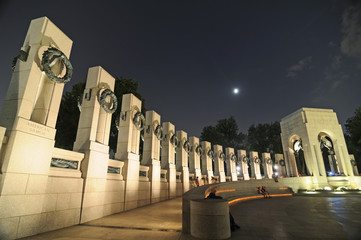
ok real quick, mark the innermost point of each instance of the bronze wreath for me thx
(233, 157)
(245, 159)
(210, 154)
(353, 162)
(282, 162)
(222, 156)
(174, 141)
(199, 150)
(269, 161)
(49, 56)
(186, 146)
(158, 132)
(139, 121)
(102, 101)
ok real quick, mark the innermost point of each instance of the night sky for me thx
(189, 55)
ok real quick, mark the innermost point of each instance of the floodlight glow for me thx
(276, 167)
(235, 90)
(238, 168)
(327, 188)
(312, 192)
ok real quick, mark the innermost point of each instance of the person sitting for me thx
(265, 192)
(212, 195)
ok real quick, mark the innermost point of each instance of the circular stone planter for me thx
(210, 219)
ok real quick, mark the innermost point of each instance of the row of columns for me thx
(164, 151)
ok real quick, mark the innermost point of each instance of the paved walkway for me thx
(297, 217)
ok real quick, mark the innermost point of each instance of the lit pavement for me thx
(299, 217)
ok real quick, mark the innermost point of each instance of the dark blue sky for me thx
(189, 55)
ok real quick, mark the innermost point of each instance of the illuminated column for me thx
(280, 165)
(244, 161)
(29, 114)
(219, 158)
(255, 165)
(168, 160)
(151, 150)
(130, 124)
(194, 155)
(182, 159)
(231, 164)
(207, 155)
(92, 139)
(267, 165)
(353, 164)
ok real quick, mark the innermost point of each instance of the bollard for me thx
(210, 219)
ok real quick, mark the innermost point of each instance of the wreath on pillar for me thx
(158, 132)
(269, 161)
(256, 160)
(222, 156)
(80, 101)
(353, 162)
(282, 162)
(174, 141)
(210, 154)
(103, 101)
(233, 157)
(245, 159)
(50, 57)
(199, 150)
(186, 146)
(139, 121)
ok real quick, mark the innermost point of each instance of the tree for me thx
(68, 117)
(67, 123)
(265, 138)
(225, 133)
(353, 135)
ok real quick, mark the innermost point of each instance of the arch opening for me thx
(328, 155)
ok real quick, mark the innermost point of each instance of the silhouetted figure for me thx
(234, 226)
(196, 182)
(265, 192)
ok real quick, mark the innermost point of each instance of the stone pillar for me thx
(194, 158)
(151, 150)
(244, 161)
(219, 158)
(280, 165)
(207, 155)
(231, 164)
(354, 165)
(29, 113)
(255, 165)
(182, 159)
(267, 165)
(92, 139)
(128, 148)
(168, 159)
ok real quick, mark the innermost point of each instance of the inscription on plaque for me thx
(38, 129)
(62, 163)
(142, 173)
(114, 170)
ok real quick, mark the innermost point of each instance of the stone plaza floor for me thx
(298, 217)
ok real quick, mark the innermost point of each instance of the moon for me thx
(235, 91)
